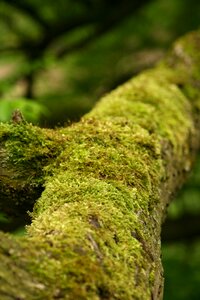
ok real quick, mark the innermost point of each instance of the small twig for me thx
(17, 117)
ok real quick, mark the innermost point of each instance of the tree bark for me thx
(100, 188)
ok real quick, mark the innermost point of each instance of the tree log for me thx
(99, 188)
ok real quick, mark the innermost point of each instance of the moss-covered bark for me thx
(106, 181)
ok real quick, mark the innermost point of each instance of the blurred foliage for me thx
(188, 198)
(58, 57)
(72, 52)
(181, 258)
(182, 271)
(31, 110)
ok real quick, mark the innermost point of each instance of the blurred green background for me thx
(57, 58)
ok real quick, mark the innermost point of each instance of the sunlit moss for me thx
(106, 187)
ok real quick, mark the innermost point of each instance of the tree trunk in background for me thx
(99, 188)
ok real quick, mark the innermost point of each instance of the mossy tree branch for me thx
(107, 181)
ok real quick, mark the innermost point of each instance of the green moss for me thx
(106, 188)
(103, 202)
(96, 231)
(25, 151)
(96, 227)
(153, 93)
(184, 58)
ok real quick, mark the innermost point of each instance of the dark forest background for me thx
(57, 58)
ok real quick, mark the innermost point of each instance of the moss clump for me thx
(25, 151)
(185, 57)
